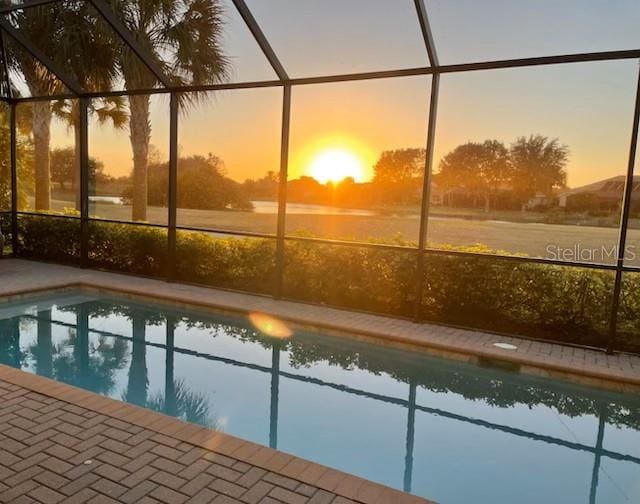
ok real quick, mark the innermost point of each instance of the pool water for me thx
(445, 430)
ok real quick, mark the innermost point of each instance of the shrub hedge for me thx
(371, 279)
(537, 300)
(48, 238)
(542, 301)
(5, 228)
(246, 264)
(128, 248)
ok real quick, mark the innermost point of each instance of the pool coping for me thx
(619, 372)
(342, 484)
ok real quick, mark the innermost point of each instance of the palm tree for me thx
(184, 37)
(91, 365)
(77, 39)
(87, 51)
(138, 380)
(39, 24)
(43, 350)
(178, 400)
(10, 352)
(188, 405)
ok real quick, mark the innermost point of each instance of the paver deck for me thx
(62, 444)
(590, 367)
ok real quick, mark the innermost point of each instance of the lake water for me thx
(269, 207)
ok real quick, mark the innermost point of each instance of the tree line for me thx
(478, 174)
(487, 174)
(495, 174)
(203, 183)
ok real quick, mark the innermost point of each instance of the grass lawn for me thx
(446, 226)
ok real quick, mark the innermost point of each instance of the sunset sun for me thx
(334, 165)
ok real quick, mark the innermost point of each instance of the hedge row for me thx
(5, 228)
(543, 301)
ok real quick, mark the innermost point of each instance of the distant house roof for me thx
(612, 187)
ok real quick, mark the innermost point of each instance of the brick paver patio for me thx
(63, 444)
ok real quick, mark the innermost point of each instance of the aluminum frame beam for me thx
(50, 65)
(384, 74)
(127, 37)
(427, 34)
(624, 221)
(261, 39)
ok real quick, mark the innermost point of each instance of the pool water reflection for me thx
(448, 431)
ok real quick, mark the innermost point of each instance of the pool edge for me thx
(555, 365)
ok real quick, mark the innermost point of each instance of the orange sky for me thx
(243, 127)
(586, 106)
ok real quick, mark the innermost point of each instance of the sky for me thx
(587, 106)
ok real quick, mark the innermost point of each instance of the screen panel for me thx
(128, 248)
(238, 263)
(346, 276)
(632, 246)
(5, 158)
(356, 160)
(229, 160)
(328, 37)
(129, 158)
(468, 31)
(48, 238)
(48, 157)
(532, 161)
(628, 329)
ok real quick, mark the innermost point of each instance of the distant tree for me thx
(481, 169)
(306, 189)
(538, 166)
(202, 185)
(398, 176)
(343, 192)
(265, 188)
(63, 167)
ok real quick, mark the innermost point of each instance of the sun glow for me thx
(270, 326)
(334, 165)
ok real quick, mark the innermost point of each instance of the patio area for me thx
(59, 443)
(62, 444)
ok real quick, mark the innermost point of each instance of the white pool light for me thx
(505, 346)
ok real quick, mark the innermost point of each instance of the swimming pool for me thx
(449, 431)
